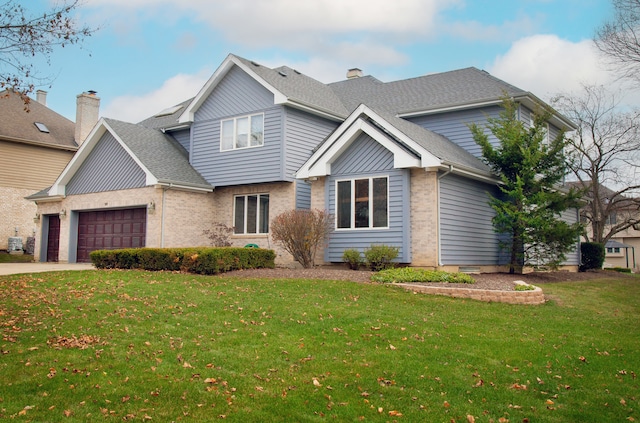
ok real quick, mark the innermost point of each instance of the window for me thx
(242, 132)
(251, 214)
(611, 219)
(362, 203)
(613, 250)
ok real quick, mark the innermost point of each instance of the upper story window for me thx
(362, 203)
(242, 132)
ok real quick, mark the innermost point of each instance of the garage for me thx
(110, 230)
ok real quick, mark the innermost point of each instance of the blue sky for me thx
(151, 54)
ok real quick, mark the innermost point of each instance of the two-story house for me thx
(395, 163)
(36, 144)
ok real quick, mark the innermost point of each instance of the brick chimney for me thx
(354, 73)
(41, 97)
(87, 111)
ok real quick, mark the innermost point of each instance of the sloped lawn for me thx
(141, 346)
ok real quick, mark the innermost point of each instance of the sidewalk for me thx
(15, 268)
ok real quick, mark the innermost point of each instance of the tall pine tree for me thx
(531, 168)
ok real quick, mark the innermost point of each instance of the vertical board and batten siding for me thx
(367, 158)
(466, 231)
(183, 137)
(107, 168)
(454, 125)
(303, 133)
(237, 94)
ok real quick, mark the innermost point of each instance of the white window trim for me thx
(246, 210)
(353, 202)
(235, 132)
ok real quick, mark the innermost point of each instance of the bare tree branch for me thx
(25, 36)
(604, 155)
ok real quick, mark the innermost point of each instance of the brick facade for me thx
(16, 212)
(174, 218)
(424, 218)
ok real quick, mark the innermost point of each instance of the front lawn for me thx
(137, 346)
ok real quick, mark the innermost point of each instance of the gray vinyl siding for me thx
(107, 168)
(366, 158)
(454, 125)
(243, 166)
(572, 258)
(183, 137)
(237, 94)
(303, 195)
(303, 133)
(466, 231)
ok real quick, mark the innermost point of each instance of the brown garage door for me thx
(110, 230)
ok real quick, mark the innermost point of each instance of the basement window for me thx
(42, 127)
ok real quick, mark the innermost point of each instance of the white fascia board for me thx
(427, 159)
(188, 115)
(401, 157)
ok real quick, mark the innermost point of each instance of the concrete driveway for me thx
(15, 268)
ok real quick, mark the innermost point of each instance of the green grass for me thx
(14, 258)
(136, 346)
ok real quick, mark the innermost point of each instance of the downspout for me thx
(164, 190)
(438, 214)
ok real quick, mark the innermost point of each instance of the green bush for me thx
(380, 257)
(620, 269)
(521, 287)
(353, 258)
(411, 274)
(592, 254)
(207, 261)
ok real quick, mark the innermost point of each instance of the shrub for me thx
(219, 235)
(300, 232)
(592, 254)
(411, 274)
(353, 258)
(523, 287)
(379, 257)
(620, 269)
(207, 261)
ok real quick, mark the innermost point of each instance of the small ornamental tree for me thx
(300, 232)
(531, 169)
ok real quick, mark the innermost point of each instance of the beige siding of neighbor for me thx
(29, 166)
(16, 212)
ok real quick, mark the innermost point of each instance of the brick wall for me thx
(15, 211)
(424, 218)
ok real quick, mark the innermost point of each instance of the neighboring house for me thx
(36, 144)
(394, 162)
(617, 213)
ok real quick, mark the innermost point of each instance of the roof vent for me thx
(354, 73)
(282, 73)
(255, 63)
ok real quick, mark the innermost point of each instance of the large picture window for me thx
(362, 203)
(242, 132)
(251, 214)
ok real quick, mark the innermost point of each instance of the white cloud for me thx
(134, 108)
(546, 65)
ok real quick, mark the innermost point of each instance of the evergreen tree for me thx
(531, 167)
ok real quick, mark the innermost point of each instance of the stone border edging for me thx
(532, 297)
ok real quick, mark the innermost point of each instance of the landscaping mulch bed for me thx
(494, 281)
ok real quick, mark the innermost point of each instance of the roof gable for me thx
(161, 158)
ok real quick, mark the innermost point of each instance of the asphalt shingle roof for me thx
(164, 157)
(19, 124)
